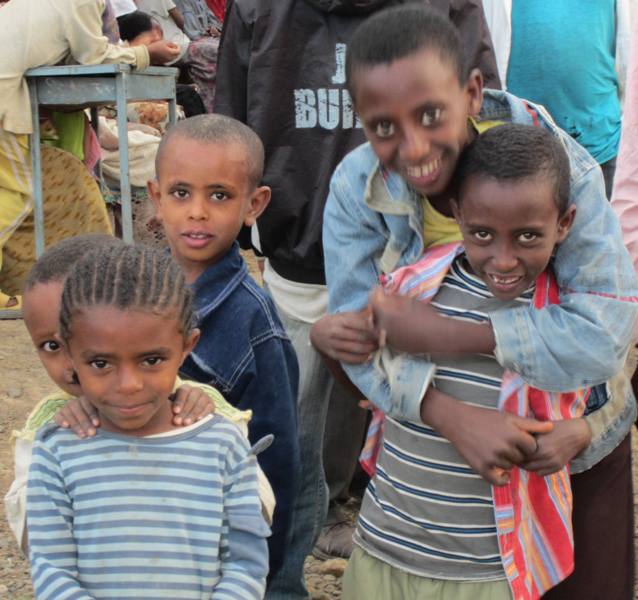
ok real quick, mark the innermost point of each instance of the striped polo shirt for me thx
(426, 511)
(122, 517)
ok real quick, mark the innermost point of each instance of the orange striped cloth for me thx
(532, 513)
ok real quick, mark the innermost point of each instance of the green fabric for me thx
(368, 578)
(70, 127)
(42, 413)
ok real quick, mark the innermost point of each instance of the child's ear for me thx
(190, 342)
(259, 200)
(155, 196)
(455, 210)
(565, 222)
(474, 91)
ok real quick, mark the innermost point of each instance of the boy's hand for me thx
(558, 447)
(162, 52)
(491, 442)
(345, 337)
(79, 415)
(400, 321)
(190, 405)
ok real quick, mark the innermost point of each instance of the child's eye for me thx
(219, 196)
(528, 237)
(99, 364)
(180, 194)
(483, 236)
(152, 361)
(50, 346)
(431, 116)
(384, 129)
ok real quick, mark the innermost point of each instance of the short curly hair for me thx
(512, 152)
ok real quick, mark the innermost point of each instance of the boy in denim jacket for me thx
(208, 171)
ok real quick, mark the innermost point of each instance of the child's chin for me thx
(506, 296)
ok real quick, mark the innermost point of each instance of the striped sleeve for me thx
(244, 550)
(52, 548)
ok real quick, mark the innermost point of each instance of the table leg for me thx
(125, 184)
(36, 166)
(172, 110)
(95, 124)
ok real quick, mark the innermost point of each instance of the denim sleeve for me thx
(609, 424)
(270, 391)
(354, 238)
(584, 340)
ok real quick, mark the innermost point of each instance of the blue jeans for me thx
(309, 512)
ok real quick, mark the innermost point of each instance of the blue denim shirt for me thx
(373, 224)
(245, 353)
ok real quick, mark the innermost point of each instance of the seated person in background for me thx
(130, 512)
(138, 28)
(35, 34)
(199, 55)
(208, 171)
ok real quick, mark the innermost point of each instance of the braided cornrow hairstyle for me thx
(127, 278)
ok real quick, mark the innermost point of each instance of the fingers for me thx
(496, 476)
(90, 411)
(532, 425)
(72, 415)
(191, 405)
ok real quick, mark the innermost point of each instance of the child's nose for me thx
(198, 209)
(504, 260)
(129, 382)
(415, 146)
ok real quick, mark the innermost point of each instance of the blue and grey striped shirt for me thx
(124, 517)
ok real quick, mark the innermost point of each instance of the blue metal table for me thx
(91, 86)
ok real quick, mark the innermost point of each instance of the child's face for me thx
(415, 115)
(510, 230)
(127, 363)
(41, 310)
(203, 196)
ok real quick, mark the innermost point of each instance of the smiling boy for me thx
(208, 171)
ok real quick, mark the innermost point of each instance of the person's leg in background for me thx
(345, 430)
(309, 512)
(15, 194)
(609, 170)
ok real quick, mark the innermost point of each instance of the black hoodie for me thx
(281, 71)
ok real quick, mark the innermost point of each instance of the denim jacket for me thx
(245, 353)
(373, 224)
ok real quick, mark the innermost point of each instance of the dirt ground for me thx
(22, 383)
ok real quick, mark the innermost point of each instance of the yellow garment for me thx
(437, 228)
(73, 205)
(15, 187)
(38, 33)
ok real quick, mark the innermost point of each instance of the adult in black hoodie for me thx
(282, 72)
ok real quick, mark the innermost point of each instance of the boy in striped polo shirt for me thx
(429, 510)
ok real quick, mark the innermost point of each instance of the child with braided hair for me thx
(42, 297)
(142, 508)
